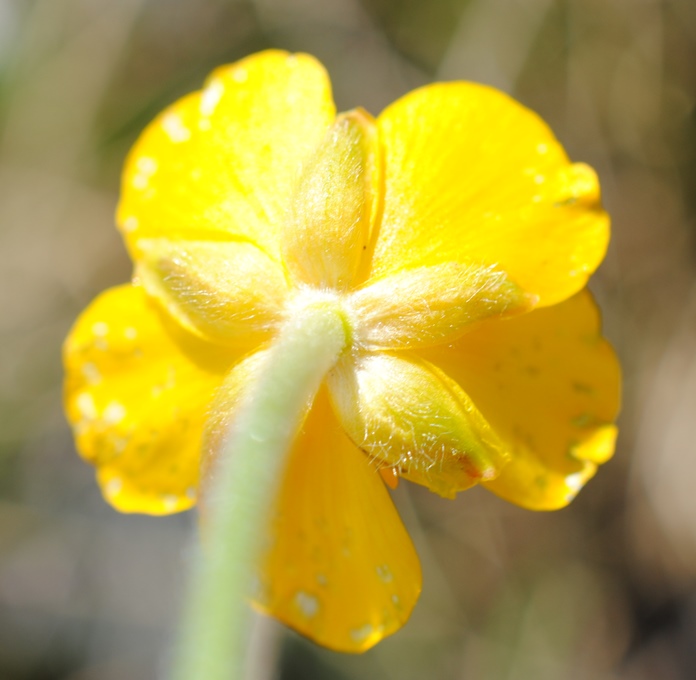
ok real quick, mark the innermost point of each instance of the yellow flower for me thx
(455, 238)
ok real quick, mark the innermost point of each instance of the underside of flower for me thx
(452, 238)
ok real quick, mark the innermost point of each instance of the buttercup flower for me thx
(454, 237)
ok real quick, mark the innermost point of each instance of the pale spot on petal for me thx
(114, 413)
(575, 481)
(240, 75)
(170, 502)
(384, 573)
(113, 487)
(91, 373)
(100, 329)
(140, 181)
(361, 634)
(308, 604)
(86, 406)
(146, 165)
(130, 333)
(211, 97)
(145, 168)
(175, 128)
(130, 224)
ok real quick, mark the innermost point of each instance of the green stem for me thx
(214, 635)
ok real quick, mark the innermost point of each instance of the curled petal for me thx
(329, 223)
(488, 184)
(229, 291)
(407, 415)
(431, 305)
(137, 393)
(549, 385)
(223, 163)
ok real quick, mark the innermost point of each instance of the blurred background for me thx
(605, 589)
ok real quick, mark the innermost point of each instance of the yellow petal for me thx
(408, 415)
(224, 161)
(329, 226)
(136, 394)
(430, 305)
(549, 385)
(341, 568)
(472, 176)
(230, 292)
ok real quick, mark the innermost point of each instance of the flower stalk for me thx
(215, 629)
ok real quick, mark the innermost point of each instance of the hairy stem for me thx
(215, 626)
